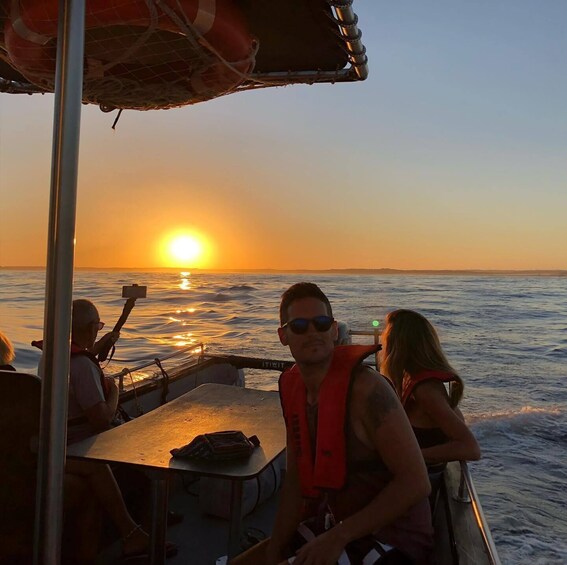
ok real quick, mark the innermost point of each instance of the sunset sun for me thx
(183, 250)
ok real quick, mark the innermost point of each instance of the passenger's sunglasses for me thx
(99, 325)
(301, 325)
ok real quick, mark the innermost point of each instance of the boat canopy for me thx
(158, 54)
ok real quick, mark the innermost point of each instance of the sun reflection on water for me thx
(188, 310)
(182, 340)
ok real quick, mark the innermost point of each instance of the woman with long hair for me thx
(412, 358)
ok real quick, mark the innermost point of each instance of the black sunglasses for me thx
(301, 325)
(98, 324)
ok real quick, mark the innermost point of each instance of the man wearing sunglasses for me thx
(92, 406)
(93, 399)
(356, 485)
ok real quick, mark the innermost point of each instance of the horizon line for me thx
(350, 270)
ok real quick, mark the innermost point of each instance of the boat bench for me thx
(20, 401)
(20, 398)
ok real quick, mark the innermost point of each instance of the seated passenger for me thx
(7, 354)
(356, 485)
(412, 358)
(93, 400)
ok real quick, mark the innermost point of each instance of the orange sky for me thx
(450, 156)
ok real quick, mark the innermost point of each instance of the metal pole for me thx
(59, 281)
(235, 525)
(160, 490)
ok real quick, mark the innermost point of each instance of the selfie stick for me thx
(132, 293)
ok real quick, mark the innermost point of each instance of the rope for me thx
(136, 399)
(150, 361)
(347, 25)
(109, 358)
(258, 493)
(188, 480)
(138, 43)
(273, 468)
(348, 39)
(190, 30)
(351, 34)
(165, 385)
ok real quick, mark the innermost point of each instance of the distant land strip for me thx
(353, 271)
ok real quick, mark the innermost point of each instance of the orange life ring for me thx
(143, 29)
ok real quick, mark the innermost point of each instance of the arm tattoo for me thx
(380, 402)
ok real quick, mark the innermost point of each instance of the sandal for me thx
(143, 555)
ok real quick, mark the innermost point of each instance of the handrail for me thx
(375, 332)
(479, 515)
(241, 362)
(237, 361)
(146, 364)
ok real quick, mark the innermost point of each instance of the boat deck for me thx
(201, 538)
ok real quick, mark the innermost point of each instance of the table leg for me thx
(235, 518)
(159, 518)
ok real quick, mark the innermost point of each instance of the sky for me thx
(452, 155)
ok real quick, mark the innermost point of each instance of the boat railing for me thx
(467, 494)
(375, 333)
(194, 349)
(196, 356)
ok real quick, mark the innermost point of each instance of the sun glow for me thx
(184, 250)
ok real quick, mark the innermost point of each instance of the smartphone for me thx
(134, 291)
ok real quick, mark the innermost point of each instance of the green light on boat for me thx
(375, 323)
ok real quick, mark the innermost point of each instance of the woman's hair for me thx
(411, 345)
(6, 350)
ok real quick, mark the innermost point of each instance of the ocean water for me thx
(507, 336)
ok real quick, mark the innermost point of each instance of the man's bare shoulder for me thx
(373, 396)
(368, 379)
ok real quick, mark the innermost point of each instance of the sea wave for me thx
(524, 547)
(240, 287)
(515, 413)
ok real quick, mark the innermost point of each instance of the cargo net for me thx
(139, 54)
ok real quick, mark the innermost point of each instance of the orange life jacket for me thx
(328, 469)
(409, 384)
